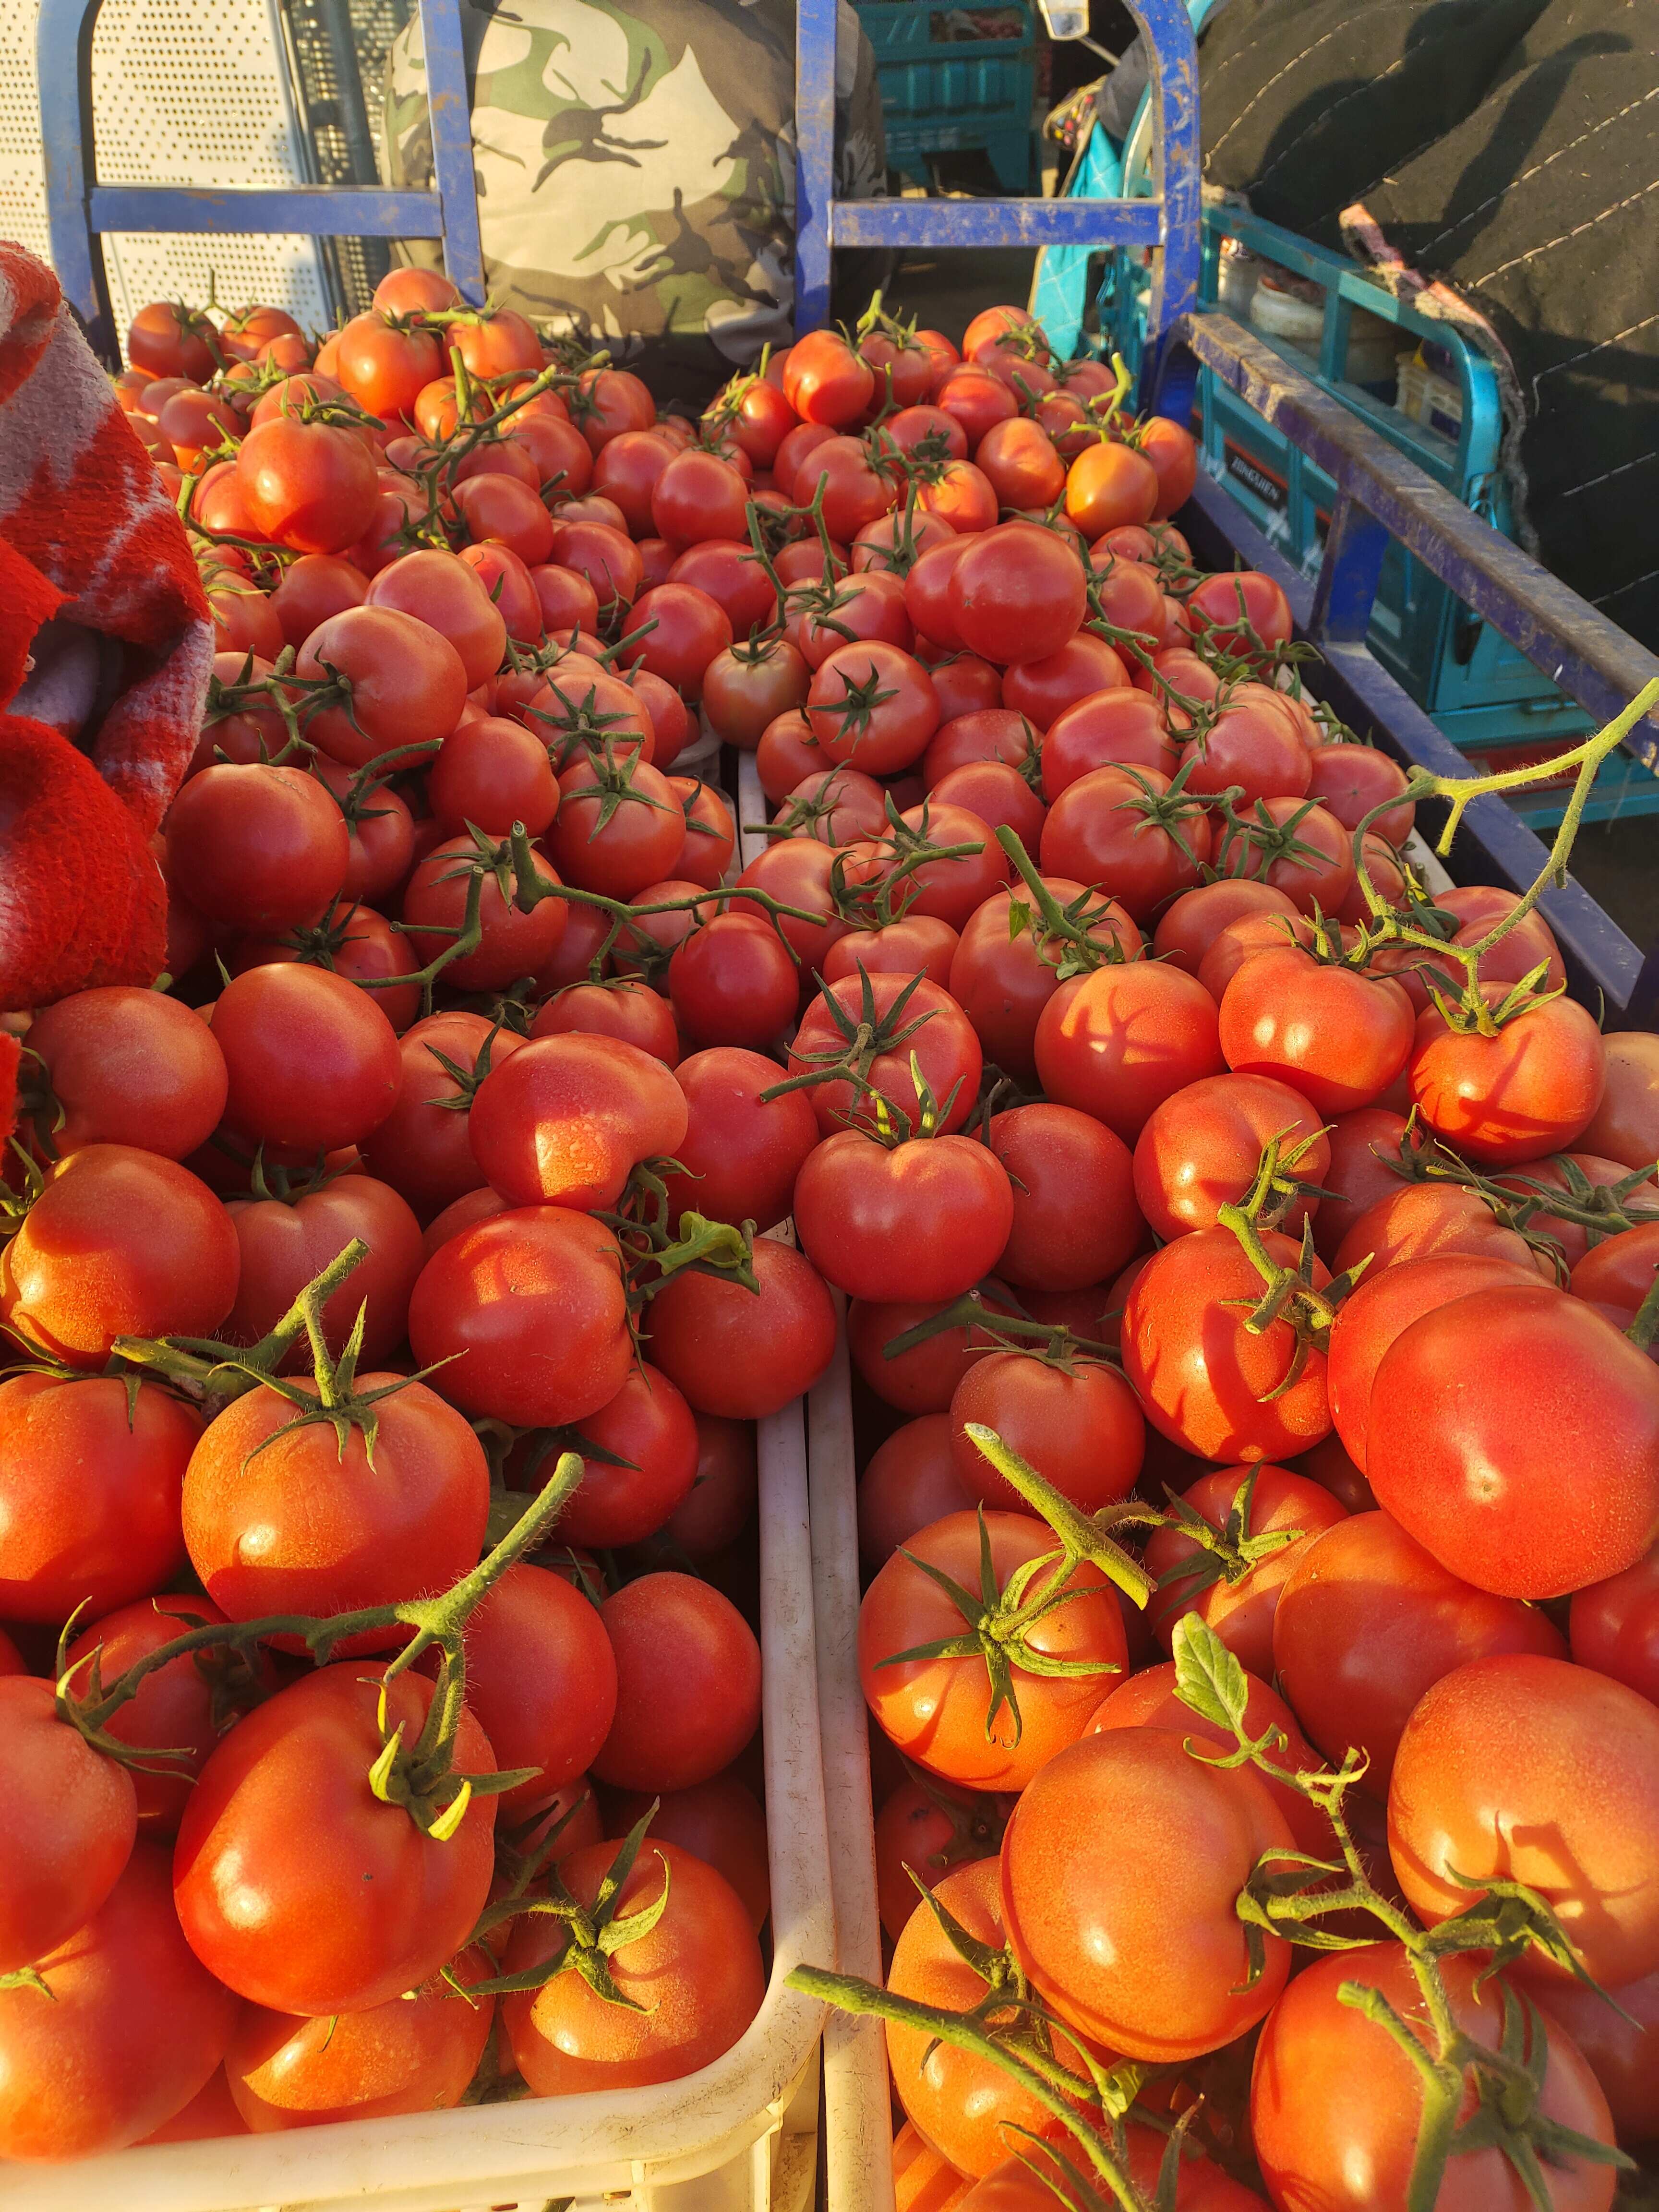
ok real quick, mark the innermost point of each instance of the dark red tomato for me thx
(1317, 871)
(408, 682)
(891, 541)
(711, 833)
(1329, 1465)
(995, 794)
(963, 2104)
(1187, 930)
(1108, 485)
(609, 560)
(1076, 1221)
(1620, 2052)
(927, 1830)
(928, 595)
(951, 890)
(1003, 980)
(926, 1218)
(1503, 1099)
(135, 2022)
(936, 1710)
(569, 1117)
(945, 1048)
(128, 1067)
(1105, 830)
(849, 490)
(492, 773)
(836, 806)
(1516, 1376)
(1117, 727)
(719, 1822)
(414, 2054)
(1149, 1700)
(721, 1499)
(1117, 1044)
(982, 735)
(1545, 1773)
(867, 609)
(1625, 1273)
(1357, 1173)
(976, 400)
(286, 1242)
(798, 871)
(119, 1242)
(1016, 593)
(169, 339)
(555, 1352)
(1336, 2106)
(1384, 1304)
(312, 1059)
(1252, 746)
(1079, 1427)
(71, 1815)
(280, 1518)
(282, 1820)
(1242, 612)
(826, 382)
(643, 1462)
(439, 589)
(740, 1158)
(361, 947)
(422, 1148)
(913, 427)
(1626, 1123)
(617, 830)
(680, 630)
(631, 1012)
(792, 449)
(689, 1683)
(309, 485)
(1428, 1220)
(568, 601)
(737, 1354)
(1019, 458)
(673, 725)
(732, 575)
(910, 1482)
(690, 1986)
(606, 402)
(263, 848)
(314, 587)
(733, 982)
(1367, 1621)
(1614, 1626)
(1044, 689)
(1239, 1603)
(582, 708)
(1350, 781)
(1206, 1380)
(920, 1381)
(1139, 1947)
(1200, 1150)
(1337, 1037)
(787, 752)
(627, 471)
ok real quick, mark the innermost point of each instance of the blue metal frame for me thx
(1168, 224)
(79, 208)
(1380, 495)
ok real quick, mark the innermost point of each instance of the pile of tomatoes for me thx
(1236, 1242)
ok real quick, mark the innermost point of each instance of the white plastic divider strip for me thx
(858, 2125)
(751, 811)
(620, 2146)
(1427, 864)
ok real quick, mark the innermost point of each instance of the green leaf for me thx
(1209, 1680)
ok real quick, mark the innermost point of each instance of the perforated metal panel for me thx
(185, 92)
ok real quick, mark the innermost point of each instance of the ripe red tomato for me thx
(1078, 1425)
(134, 2028)
(1349, 781)
(733, 982)
(1108, 485)
(1003, 980)
(422, 1148)
(651, 1437)
(1336, 2106)
(825, 381)
(167, 338)
(119, 1242)
(944, 1048)
(1528, 1091)
(845, 482)
(630, 1013)
(1044, 689)
(1205, 1379)
(1117, 1044)
(314, 587)
(512, 945)
(285, 1242)
(1614, 1626)
(127, 1067)
(386, 366)
(1357, 1173)
(263, 848)
(1424, 1220)
(922, 1380)
(1368, 1621)
(282, 1824)
(408, 684)
(938, 1710)
(312, 1061)
(928, 1217)
(1514, 1375)
(617, 829)
(910, 1482)
(555, 1350)
(739, 1355)
(1620, 2055)
(1136, 1944)
(741, 1158)
(1240, 1602)
(1625, 1127)
(688, 1684)
(1241, 612)
(963, 739)
(1104, 828)
(1016, 593)
(691, 1985)
(872, 706)
(310, 485)
(541, 1680)
(1545, 1773)
(1253, 746)
(1116, 727)
(1337, 1037)
(952, 890)
(71, 1816)
(567, 1118)
(1200, 1148)
(1076, 1220)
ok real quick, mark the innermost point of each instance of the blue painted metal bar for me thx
(330, 210)
(1168, 224)
(1349, 574)
(78, 208)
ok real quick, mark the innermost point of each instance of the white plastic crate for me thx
(184, 91)
(739, 2136)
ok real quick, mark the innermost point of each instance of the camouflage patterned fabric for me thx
(636, 169)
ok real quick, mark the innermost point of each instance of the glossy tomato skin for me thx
(741, 1158)
(944, 1047)
(130, 1068)
(566, 1119)
(935, 1710)
(1336, 2106)
(1201, 1149)
(888, 734)
(688, 1684)
(1424, 1220)
(120, 1243)
(1547, 1774)
(1339, 1037)
(740, 1356)
(1367, 1621)
(1528, 1091)
(285, 1245)
(1003, 980)
(1240, 1612)
(1080, 1429)
(927, 1218)
(70, 1819)
(89, 1500)
(1203, 1378)
(1614, 1626)
(283, 1823)
(1187, 929)
(557, 1348)
(422, 1148)
(1357, 1173)
(910, 1482)
(134, 2023)
(648, 1428)
(696, 1980)
(541, 1681)
(1120, 1869)
(257, 847)
(1624, 2058)
(1533, 1382)
(1016, 593)
(298, 1523)
(631, 1012)
(1075, 1218)
(312, 1061)
(1119, 1041)
(511, 944)
(733, 982)
(1626, 1125)
(922, 1380)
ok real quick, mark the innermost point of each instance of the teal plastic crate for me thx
(941, 95)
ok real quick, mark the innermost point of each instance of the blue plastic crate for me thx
(941, 95)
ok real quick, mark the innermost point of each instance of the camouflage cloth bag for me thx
(636, 169)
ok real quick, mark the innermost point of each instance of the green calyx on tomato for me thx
(593, 1934)
(1227, 1554)
(1289, 1294)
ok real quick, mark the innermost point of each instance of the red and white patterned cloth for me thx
(106, 647)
